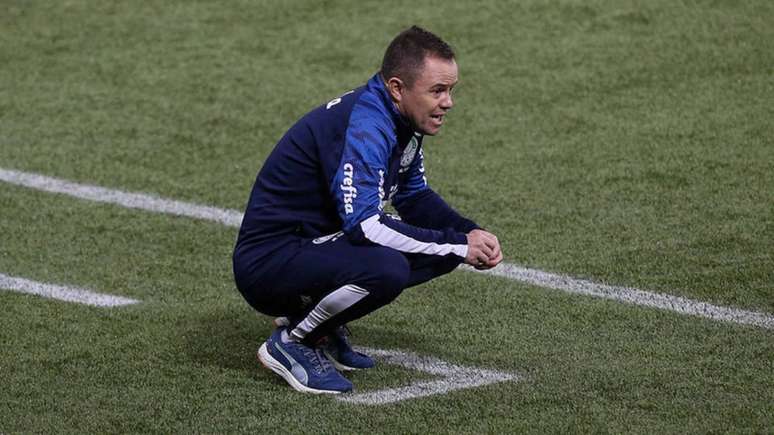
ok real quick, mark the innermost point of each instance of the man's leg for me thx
(427, 267)
(343, 281)
(346, 282)
(316, 269)
(323, 286)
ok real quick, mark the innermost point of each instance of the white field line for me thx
(535, 277)
(632, 296)
(125, 199)
(451, 377)
(63, 293)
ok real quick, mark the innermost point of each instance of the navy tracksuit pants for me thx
(331, 278)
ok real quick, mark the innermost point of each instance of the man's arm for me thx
(427, 209)
(358, 191)
(417, 204)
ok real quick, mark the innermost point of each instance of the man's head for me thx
(420, 72)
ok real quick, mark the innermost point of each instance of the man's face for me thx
(426, 103)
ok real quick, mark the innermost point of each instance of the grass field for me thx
(624, 142)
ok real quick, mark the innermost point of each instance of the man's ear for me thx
(396, 86)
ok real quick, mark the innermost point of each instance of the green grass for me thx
(627, 142)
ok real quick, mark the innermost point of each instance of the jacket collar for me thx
(401, 123)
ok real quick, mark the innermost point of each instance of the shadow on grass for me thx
(389, 339)
(229, 339)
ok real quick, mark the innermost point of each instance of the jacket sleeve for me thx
(358, 189)
(417, 204)
(428, 210)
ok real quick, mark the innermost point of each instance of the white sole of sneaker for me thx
(272, 364)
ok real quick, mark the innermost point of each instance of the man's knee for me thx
(447, 265)
(386, 273)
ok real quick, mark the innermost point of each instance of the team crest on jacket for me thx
(409, 153)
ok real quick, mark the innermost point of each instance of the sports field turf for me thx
(622, 142)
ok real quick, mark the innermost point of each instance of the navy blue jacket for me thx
(335, 170)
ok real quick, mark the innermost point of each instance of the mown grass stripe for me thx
(62, 293)
(535, 277)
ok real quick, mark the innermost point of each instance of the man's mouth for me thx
(438, 118)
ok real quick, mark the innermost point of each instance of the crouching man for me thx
(316, 248)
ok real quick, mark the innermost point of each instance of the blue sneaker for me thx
(306, 369)
(338, 349)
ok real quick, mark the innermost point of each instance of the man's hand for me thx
(483, 250)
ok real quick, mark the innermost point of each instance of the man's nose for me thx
(447, 102)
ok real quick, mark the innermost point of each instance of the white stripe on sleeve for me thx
(381, 234)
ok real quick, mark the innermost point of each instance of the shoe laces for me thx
(320, 363)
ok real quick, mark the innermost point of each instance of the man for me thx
(316, 247)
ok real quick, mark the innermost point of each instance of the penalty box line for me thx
(514, 272)
(450, 377)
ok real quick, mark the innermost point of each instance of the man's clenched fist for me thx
(483, 250)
